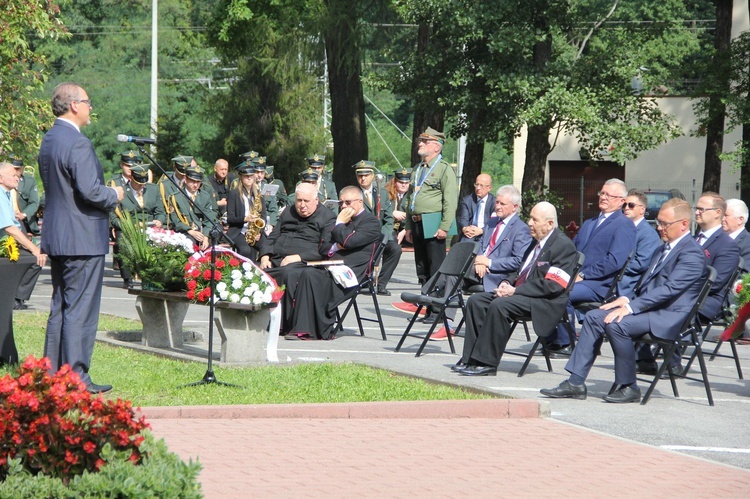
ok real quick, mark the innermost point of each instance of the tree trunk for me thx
(347, 100)
(716, 106)
(473, 159)
(425, 115)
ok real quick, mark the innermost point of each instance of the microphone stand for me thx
(215, 234)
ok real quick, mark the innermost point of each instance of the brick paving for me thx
(437, 457)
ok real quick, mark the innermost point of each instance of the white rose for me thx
(222, 286)
(224, 295)
(247, 266)
(247, 292)
(237, 284)
(249, 275)
(258, 297)
(236, 274)
(253, 287)
(245, 300)
(234, 297)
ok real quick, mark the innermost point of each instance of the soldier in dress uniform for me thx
(127, 160)
(281, 195)
(399, 189)
(167, 188)
(269, 202)
(141, 200)
(25, 199)
(377, 202)
(326, 187)
(187, 219)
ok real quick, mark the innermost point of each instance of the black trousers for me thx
(428, 253)
(391, 257)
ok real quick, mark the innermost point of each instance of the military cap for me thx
(317, 160)
(15, 160)
(259, 163)
(269, 171)
(194, 172)
(139, 173)
(309, 175)
(364, 167)
(130, 158)
(402, 175)
(249, 155)
(432, 134)
(244, 168)
(180, 163)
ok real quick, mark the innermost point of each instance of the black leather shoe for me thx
(20, 305)
(646, 367)
(565, 391)
(429, 318)
(478, 371)
(94, 388)
(459, 366)
(677, 370)
(624, 395)
(384, 292)
(562, 353)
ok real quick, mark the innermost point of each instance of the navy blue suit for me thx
(506, 256)
(606, 249)
(467, 210)
(76, 238)
(646, 242)
(743, 241)
(664, 300)
(723, 254)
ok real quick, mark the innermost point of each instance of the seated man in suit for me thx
(733, 224)
(606, 242)
(476, 209)
(353, 240)
(646, 241)
(295, 240)
(538, 289)
(660, 304)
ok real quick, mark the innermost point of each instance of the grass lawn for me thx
(149, 380)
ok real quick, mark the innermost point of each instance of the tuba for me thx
(255, 227)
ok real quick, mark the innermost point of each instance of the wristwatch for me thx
(580, 274)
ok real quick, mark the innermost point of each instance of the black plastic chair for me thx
(723, 321)
(564, 320)
(689, 336)
(367, 286)
(454, 267)
(612, 292)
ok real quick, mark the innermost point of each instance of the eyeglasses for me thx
(666, 225)
(698, 209)
(604, 195)
(86, 101)
(348, 202)
(632, 205)
(425, 141)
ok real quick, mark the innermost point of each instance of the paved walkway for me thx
(314, 455)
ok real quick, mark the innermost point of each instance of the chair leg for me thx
(704, 375)
(440, 317)
(374, 295)
(538, 343)
(447, 333)
(525, 328)
(736, 358)
(716, 350)
(359, 318)
(408, 328)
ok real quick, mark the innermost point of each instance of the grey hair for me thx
(510, 191)
(4, 165)
(739, 207)
(62, 96)
(620, 184)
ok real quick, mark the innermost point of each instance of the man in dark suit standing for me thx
(733, 224)
(476, 209)
(353, 239)
(75, 232)
(606, 242)
(660, 304)
(538, 290)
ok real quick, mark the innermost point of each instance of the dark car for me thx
(654, 201)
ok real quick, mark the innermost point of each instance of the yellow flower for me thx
(9, 248)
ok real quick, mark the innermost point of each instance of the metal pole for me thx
(154, 65)
(580, 209)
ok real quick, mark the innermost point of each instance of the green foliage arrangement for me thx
(158, 256)
(530, 198)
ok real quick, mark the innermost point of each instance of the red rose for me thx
(192, 285)
(196, 273)
(220, 264)
(234, 262)
(207, 274)
(191, 294)
(217, 276)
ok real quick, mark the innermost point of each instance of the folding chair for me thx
(564, 320)
(456, 264)
(688, 337)
(723, 320)
(612, 292)
(367, 285)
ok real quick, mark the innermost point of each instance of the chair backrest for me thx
(459, 258)
(379, 249)
(579, 264)
(726, 312)
(688, 324)
(612, 292)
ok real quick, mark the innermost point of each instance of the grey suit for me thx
(505, 256)
(76, 239)
(743, 241)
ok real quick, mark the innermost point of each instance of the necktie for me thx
(368, 197)
(525, 271)
(422, 172)
(493, 239)
(139, 198)
(601, 219)
(477, 212)
(701, 238)
(664, 254)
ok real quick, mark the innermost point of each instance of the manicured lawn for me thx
(149, 380)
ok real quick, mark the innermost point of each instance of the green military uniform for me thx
(326, 187)
(403, 203)
(183, 216)
(28, 201)
(310, 176)
(167, 188)
(435, 191)
(281, 195)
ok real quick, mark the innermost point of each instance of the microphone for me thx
(137, 140)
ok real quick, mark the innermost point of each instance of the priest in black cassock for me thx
(353, 240)
(297, 238)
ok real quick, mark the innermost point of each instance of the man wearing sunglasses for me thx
(646, 241)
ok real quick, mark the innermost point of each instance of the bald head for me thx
(482, 185)
(306, 199)
(221, 168)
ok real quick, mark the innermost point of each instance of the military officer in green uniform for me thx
(127, 160)
(142, 201)
(435, 194)
(269, 201)
(25, 198)
(377, 202)
(326, 187)
(167, 188)
(188, 220)
(281, 195)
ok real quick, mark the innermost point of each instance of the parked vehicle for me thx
(656, 199)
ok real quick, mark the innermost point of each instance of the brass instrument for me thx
(255, 227)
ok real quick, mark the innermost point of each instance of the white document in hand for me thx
(270, 189)
(343, 275)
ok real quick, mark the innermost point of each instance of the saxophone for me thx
(256, 226)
